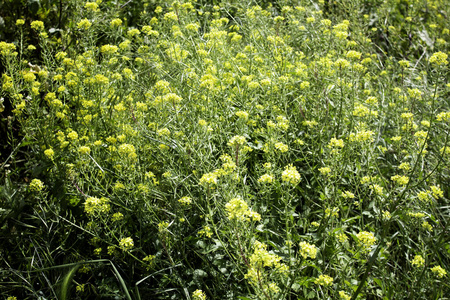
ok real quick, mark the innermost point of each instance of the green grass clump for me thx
(229, 151)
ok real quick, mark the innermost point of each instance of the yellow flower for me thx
(400, 180)
(427, 226)
(84, 150)
(36, 185)
(109, 49)
(236, 140)
(128, 150)
(206, 231)
(115, 22)
(324, 280)
(353, 54)
(126, 244)
(439, 271)
(336, 143)
(49, 153)
(133, 32)
(344, 296)
(117, 217)
(418, 261)
(439, 58)
(37, 25)
(366, 240)
(170, 16)
(185, 200)
(281, 147)
(84, 24)
(242, 115)
(404, 63)
(94, 206)
(198, 295)
(72, 135)
(437, 192)
(341, 63)
(238, 210)
(325, 170)
(163, 226)
(308, 250)
(266, 178)
(150, 260)
(291, 175)
(92, 6)
(208, 179)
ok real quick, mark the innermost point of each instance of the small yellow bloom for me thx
(439, 271)
(115, 22)
(36, 185)
(439, 58)
(324, 280)
(37, 25)
(418, 261)
(84, 24)
(198, 295)
(49, 153)
(291, 175)
(126, 244)
(84, 150)
(308, 250)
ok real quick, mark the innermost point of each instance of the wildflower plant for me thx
(191, 149)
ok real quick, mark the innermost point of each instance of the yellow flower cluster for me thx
(437, 192)
(236, 141)
(418, 261)
(208, 179)
(307, 250)
(84, 24)
(91, 6)
(336, 143)
(362, 136)
(266, 178)
(7, 49)
(291, 175)
(198, 295)
(443, 116)
(400, 180)
(238, 210)
(84, 150)
(36, 185)
(128, 151)
(50, 153)
(115, 22)
(439, 58)
(439, 271)
(37, 25)
(126, 244)
(185, 200)
(366, 240)
(260, 259)
(94, 206)
(324, 280)
(117, 217)
(281, 147)
(205, 231)
(325, 171)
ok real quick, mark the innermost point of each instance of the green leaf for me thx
(67, 281)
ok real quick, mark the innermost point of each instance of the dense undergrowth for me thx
(226, 150)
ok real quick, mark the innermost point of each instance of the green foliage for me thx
(226, 150)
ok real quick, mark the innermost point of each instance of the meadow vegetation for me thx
(226, 150)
